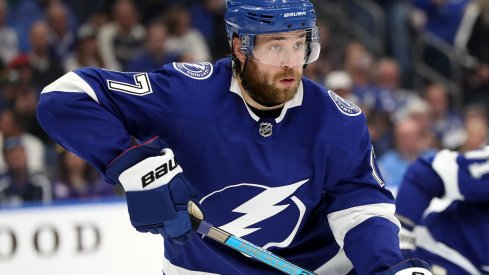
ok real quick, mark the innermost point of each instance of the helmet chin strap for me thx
(247, 90)
(243, 78)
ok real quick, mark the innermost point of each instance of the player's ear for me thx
(237, 50)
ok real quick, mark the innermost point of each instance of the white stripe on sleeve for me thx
(71, 83)
(344, 220)
(445, 165)
(426, 241)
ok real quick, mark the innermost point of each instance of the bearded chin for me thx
(261, 89)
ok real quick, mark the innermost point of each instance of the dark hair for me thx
(236, 66)
(18, 120)
(172, 18)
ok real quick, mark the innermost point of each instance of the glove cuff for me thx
(144, 167)
(150, 173)
(407, 239)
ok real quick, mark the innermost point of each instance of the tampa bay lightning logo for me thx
(266, 216)
(345, 106)
(197, 70)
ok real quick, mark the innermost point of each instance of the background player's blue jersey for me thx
(452, 230)
(303, 185)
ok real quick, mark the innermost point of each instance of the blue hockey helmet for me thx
(251, 18)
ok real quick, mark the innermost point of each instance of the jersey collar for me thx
(294, 102)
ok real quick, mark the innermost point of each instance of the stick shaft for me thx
(250, 249)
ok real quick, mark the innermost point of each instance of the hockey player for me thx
(269, 155)
(443, 206)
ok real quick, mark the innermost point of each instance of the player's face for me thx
(274, 72)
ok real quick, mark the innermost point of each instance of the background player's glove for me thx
(407, 242)
(407, 238)
(408, 267)
(157, 193)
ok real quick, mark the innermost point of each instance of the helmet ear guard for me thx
(251, 18)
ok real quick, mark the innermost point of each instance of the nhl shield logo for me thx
(266, 129)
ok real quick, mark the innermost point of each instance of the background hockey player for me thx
(452, 234)
(269, 155)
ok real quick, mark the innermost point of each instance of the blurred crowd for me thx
(40, 40)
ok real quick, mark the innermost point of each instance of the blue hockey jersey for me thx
(446, 196)
(303, 185)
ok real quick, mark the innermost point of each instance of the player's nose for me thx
(289, 59)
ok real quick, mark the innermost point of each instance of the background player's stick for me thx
(247, 248)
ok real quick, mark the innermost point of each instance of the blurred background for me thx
(419, 70)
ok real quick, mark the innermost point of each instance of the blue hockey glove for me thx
(408, 267)
(157, 193)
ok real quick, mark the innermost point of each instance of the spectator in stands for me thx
(20, 95)
(9, 47)
(12, 127)
(61, 37)
(473, 41)
(476, 128)
(207, 17)
(22, 15)
(25, 105)
(184, 40)
(3, 77)
(387, 76)
(123, 38)
(78, 180)
(446, 123)
(18, 80)
(419, 111)
(341, 83)
(395, 38)
(391, 103)
(45, 67)
(154, 54)
(82, 11)
(443, 16)
(380, 129)
(359, 63)
(398, 37)
(151, 10)
(148, 10)
(408, 146)
(18, 184)
(87, 53)
(97, 20)
(476, 133)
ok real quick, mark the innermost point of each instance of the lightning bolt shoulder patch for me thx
(197, 70)
(345, 106)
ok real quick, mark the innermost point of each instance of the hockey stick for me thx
(236, 243)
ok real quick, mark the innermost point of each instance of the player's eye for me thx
(275, 48)
(298, 45)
